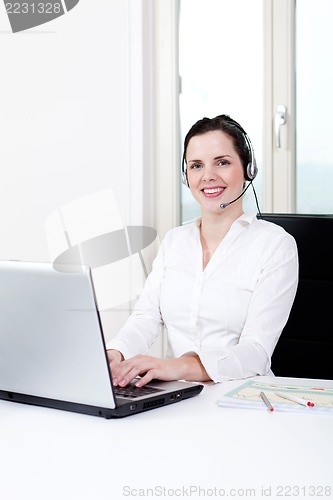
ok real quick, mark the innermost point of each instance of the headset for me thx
(250, 171)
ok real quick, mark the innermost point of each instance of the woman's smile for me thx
(212, 192)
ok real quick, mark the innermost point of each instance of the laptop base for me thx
(124, 407)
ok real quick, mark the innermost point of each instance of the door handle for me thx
(280, 119)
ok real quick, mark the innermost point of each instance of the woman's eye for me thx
(196, 165)
(223, 163)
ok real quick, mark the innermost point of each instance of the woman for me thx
(222, 286)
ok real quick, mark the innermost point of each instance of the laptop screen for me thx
(51, 342)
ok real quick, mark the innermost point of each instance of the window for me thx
(221, 65)
(247, 58)
(314, 106)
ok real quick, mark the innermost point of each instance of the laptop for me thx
(52, 348)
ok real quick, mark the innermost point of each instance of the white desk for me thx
(50, 454)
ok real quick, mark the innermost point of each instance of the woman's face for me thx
(214, 170)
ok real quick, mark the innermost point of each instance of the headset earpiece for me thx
(184, 172)
(251, 169)
(251, 172)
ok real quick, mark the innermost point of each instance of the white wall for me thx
(76, 113)
(69, 94)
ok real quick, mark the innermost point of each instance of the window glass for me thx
(314, 106)
(222, 72)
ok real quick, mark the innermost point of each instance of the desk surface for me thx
(192, 449)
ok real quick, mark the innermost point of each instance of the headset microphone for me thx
(225, 205)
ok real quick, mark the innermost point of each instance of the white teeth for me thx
(212, 190)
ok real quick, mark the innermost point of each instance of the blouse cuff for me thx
(243, 361)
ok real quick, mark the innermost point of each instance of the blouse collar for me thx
(246, 217)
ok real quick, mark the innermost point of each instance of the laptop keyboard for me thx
(131, 391)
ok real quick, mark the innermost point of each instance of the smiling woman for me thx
(218, 159)
(222, 286)
(215, 176)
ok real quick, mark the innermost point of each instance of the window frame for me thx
(280, 163)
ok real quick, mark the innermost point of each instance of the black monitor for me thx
(305, 348)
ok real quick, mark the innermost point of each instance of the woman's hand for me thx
(187, 367)
(115, 358)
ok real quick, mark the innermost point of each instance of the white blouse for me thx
(231, 313)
